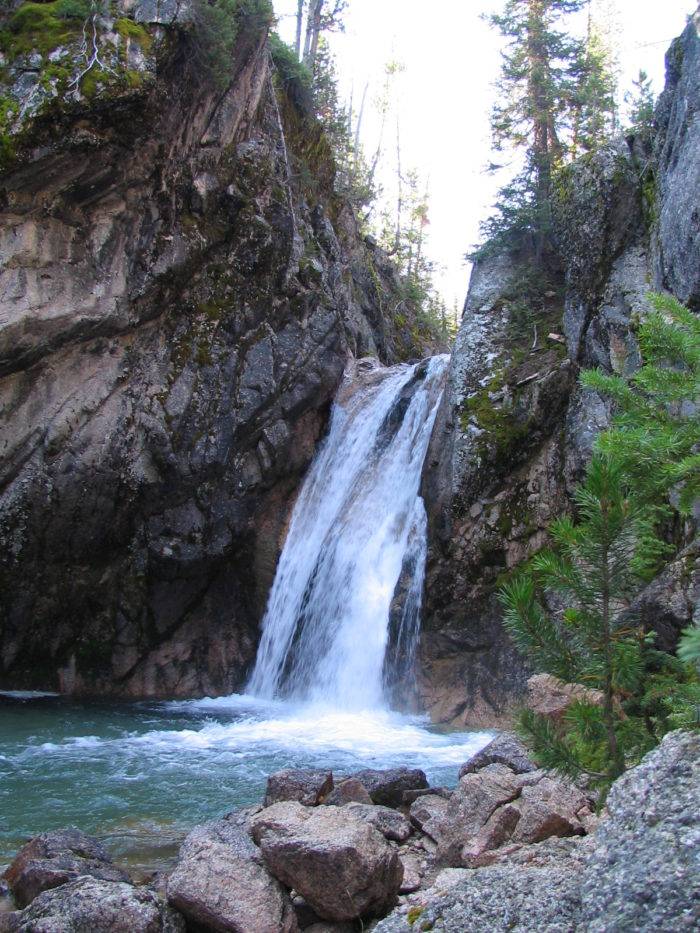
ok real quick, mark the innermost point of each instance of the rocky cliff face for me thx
(181, 290)
(515, 430)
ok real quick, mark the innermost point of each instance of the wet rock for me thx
(390, 823)
(387, 787)
(308, 787)
(506, 749)
(427, 814)
(221, 883)
(91, 905)
(55, 858)
(347, 791)
(342, 866)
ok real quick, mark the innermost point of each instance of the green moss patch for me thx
(128, 29)
(42, 27)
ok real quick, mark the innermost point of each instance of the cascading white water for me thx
(358, 523)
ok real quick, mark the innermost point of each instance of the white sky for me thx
(451, 58)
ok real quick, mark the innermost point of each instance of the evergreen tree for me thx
(569, 612)
(641, 104)
(217, 25)
(590, 575)
(656, 432)
(532, 112)
(594, 104)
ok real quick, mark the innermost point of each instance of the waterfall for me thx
(335, 630)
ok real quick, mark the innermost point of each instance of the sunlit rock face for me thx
(180, 296)
(516, 430)
(678, 173)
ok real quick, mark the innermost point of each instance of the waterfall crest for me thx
(358, 523)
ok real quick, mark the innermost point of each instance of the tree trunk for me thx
(542, 120)
(616, 757)
(358, 128)
(313, 32)
(300, 23)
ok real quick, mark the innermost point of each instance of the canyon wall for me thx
(516, 429)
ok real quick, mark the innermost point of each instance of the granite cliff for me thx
(516, 428)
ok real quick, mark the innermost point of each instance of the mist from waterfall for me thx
(333, 632)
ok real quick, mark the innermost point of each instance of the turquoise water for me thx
(140, 775)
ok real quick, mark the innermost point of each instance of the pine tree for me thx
(594, 104)
(656, 433)
(641, 104)
(534, 95)
(591, 573)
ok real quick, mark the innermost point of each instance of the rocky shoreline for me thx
(512, 847)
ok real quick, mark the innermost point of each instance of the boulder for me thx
(499, 899)
(644, 869)
(340, 864)
(348, 791)
(548, 696)
(547, 808)
(637, 872)
(505, 749)
(475, 799)
(390, 823)
(92, 905)
(387, 787)
(496, 831)
(427, 813)
(331, 928)
(55, 858)
(409, 796)
(495, 807)
(308, 787)
(220, 883)
(412, 876)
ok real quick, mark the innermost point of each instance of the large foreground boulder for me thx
(499, 899)
(55, 858)
(308, 787)
(645, 869)
(340, 864)
(220, 883)
(91, 905)
(387, 787)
